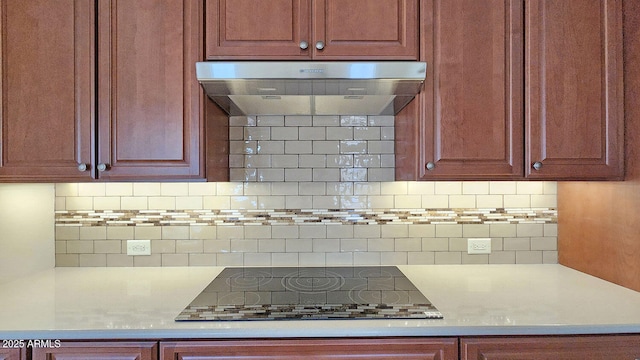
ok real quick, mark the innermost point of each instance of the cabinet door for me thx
(472, 101)
(547, 348)
(46, 86)
(405, 349)
(98, 350)
(149, 103)
(12, 354)
(574, 107)
(364, 29)
(257, 29)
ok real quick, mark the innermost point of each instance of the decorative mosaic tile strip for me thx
(303, 216)
(315, 312)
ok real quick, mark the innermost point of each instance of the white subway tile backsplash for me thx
(381, 147)
(106, 203)
(339, 161)
(339, 133)
(517, 201)
(312, 191)
(530, 187)
(257, 133)
(79, 203)
(353, 120)
(284, 133)
(367, 133)
(327, 147)
(270, 175)
(353, 174)
(339, 188)
(298, 121)
(462, 201)
(489, 201)
(502, 187)
(67, 189)
(91, 189)
(381, 120)
(295, 175)
(435, 201)
(475, 187)
(146, 189)
(312, 133)
(326, 174)
(298, 147)
(407, 202)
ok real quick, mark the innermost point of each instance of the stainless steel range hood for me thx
(311, 88)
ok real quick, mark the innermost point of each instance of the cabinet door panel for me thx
(12, 354)
(387, 349)
(251, 29)
(362, 29)
(102, 350)
(574, 89)
(47, 93)
(150, 112)
(548, 348)
(472, 122)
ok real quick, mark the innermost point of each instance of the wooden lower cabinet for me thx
(334, 349)
(98, 350)
(12, 354)
(618, 347)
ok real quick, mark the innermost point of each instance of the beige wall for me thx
(26, 229)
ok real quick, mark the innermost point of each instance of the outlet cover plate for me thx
(138, 247)
(479, 246)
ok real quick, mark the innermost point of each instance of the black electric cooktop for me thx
(300, 293)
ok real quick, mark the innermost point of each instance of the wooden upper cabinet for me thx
(46, 86)
(357, 29)
(574, 89)
(150, 104)
(251, 29)
(472, 115)
(310, 29)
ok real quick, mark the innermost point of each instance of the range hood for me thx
(311, 88)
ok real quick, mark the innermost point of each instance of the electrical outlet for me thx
(479, 246)
(138, 247)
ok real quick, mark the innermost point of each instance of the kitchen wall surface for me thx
(26, 229)
(306, 190)
(298, 223)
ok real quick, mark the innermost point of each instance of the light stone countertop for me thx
(141, 303)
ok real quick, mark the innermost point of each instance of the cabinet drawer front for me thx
(566, 348)
(388, 349)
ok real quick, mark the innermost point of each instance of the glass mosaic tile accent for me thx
(303, 216)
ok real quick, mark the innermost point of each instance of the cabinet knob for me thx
(320, 45)
(102, 167)
(537, 165)
(304, 45)
(82, 167)
(430, 166)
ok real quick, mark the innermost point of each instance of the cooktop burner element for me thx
(292, 293)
